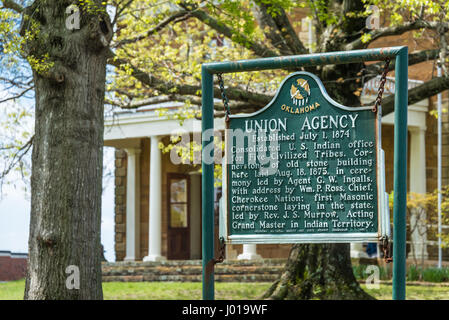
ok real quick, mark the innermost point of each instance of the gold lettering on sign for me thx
(300, 110)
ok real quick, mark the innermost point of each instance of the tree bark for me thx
(67, 158)
(318, 271)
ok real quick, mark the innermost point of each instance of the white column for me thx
(418, 160)
(418, 216)
(249, 252)
(132, 205)
(155, 214)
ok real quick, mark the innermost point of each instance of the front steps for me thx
(266, 270)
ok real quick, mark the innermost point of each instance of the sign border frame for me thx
(283, 238)
(400, 54)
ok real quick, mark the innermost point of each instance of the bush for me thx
(414, 273)
(435, 275)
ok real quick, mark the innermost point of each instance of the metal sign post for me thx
(400, 146)
(439, 106)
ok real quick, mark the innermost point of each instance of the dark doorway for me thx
(178, 236)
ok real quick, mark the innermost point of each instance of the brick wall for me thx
(431, 144)
(12, 266)
(431, 150)
(120, 204)
(445, 144)
(388, 147)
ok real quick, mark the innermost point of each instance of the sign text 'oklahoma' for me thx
(302, 169)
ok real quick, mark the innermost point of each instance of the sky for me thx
(15, 202)
(15, 218)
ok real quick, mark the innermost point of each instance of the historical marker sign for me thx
(303, 169)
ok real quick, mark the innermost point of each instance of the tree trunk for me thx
(318, 271)
(324, 271)
(67, 158)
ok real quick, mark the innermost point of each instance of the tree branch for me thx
(316, 17)
(288, 32)
(10, 4)
(413, 58)
(394, 31)
(17, 157)
(17, 96)
(234, 106)
(120, 10)
(257, 48)
(16, 82)
(140, 103)
(176, 17)
(269, 28)
(195, 100)
(421, 92)
(170, 88)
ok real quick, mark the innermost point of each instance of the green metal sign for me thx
(326, 108)
(303, 169)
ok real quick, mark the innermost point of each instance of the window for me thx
(178, 203)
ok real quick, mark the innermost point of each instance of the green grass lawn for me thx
(12, 290)
(179, 290)
(231, 291)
